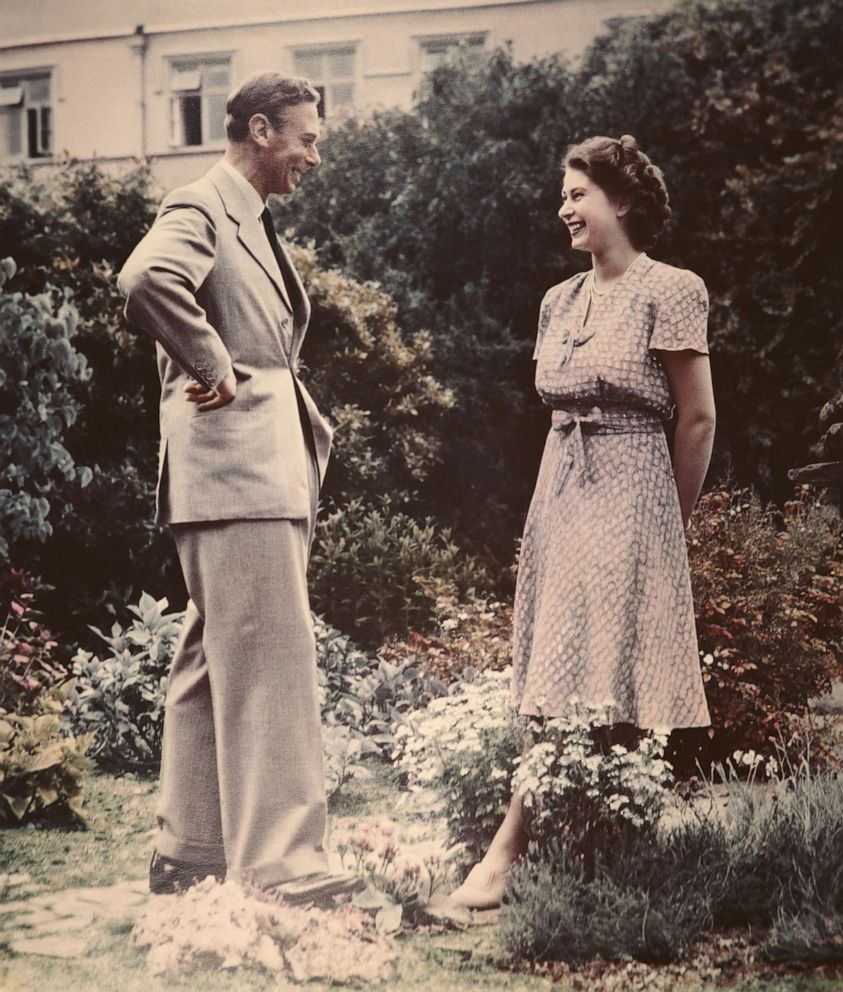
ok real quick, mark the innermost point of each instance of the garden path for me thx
(63, 924)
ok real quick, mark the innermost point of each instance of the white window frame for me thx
(324, 82)
(449, 44)
(41, 110)
(191, 70)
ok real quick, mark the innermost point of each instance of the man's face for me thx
(291, 151)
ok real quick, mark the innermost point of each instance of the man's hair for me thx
(268, 93)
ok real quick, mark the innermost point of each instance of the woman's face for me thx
(592, 218)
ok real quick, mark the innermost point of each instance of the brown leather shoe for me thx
(168, 876)
(321, 889)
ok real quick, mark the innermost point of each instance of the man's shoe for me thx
(167, 876)
(320, 889)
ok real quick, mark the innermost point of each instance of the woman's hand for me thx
(689, 374)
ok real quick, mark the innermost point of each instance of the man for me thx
(243, 452)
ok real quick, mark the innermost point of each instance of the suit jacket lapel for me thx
(301, 304)
(250, 231)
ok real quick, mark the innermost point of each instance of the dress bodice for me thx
(611, 361)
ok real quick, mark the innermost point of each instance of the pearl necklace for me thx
(595, 292)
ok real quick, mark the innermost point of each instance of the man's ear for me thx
(259, 128)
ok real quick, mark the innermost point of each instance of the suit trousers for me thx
(241, 768)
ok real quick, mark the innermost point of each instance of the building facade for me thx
(148, 79)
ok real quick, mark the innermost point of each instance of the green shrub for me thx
(366, 694)
(782, 852)
(375, 571)
(41, 768)
(806, 940)
(751, 149)
(472, 750)
(555, 911)
(39, 368)
(40, 771)
(360, 697)
(374, 383)
(569, 783)
(772, 861)
(463, 746)
(119, 699)
(769, 612)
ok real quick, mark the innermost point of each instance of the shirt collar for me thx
(256, 204)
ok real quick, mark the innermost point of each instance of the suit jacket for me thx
(205, 284)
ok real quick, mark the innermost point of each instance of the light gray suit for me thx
(241, 776)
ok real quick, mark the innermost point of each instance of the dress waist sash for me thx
(571, 424)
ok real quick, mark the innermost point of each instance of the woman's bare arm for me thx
(689, 374)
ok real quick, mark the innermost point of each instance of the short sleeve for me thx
(545, 313)
(681, 320)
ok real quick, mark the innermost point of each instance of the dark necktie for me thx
(284, 266)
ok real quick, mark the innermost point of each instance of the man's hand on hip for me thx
(211, 399)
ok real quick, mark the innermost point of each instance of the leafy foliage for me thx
(41, 768)
(376, 571)
(29, 669)
(570, 784)
(39, 368)
(364, 694)
(471, 749)
(469, 632)
(40, 771)
(463, 746)
(120, 699)
(769, 611)
(454, 213)
(374, 384)
(360, 696)
(773, 862)
(71, 229)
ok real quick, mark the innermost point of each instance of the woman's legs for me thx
(510, 842)
(484, 885)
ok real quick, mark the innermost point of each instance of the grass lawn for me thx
(116, 847)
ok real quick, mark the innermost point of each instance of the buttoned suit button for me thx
(285, 323)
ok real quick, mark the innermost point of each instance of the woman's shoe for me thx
(483, 888)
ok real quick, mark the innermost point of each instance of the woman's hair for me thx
(269, 93)
(623, 172)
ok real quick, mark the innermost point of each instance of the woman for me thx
(603, 605)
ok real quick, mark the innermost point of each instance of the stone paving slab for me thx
(53, 947)
(60, 924)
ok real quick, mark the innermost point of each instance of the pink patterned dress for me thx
(603, 607)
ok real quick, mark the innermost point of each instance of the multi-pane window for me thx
(331, 72)
(26, 119)
(438, 51)
(198, 91)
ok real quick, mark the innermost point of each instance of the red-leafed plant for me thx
(28, 666)
(768, 589)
